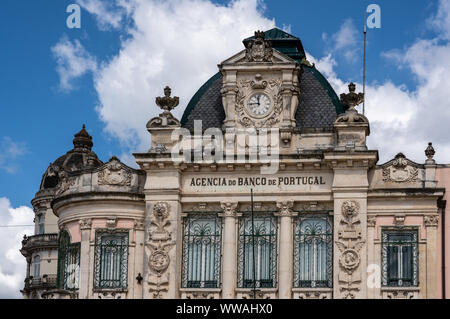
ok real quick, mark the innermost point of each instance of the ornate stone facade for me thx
(327, 199)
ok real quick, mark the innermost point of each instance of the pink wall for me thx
(443, 178)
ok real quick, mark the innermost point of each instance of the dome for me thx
(81, 157)
(318, 107)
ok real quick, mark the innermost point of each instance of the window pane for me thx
(201, 251)
(400, 258)
(313, 252)
(111, 265)
(257, 254)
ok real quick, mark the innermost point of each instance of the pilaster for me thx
(431, 224)
(85, 253)
(285, 272)
(229, 267)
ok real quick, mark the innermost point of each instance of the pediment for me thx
(114, 173)
(401, 170)
(241, 58)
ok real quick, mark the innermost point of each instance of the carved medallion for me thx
(259, 49)
(400, 171)
(114, 174)
(159, 260)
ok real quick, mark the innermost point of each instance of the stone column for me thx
(85, 228)
(431, 224)
(229, 260)
(285, 270)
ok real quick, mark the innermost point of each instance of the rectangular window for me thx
(41, 224)
(313, 252)
(202, 251)
(111, 259)
(257, 253)
(400, 258)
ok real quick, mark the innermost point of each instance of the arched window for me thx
(313, 252)
(201, 251)
(36, 267)
(68, 262)
(257, 251)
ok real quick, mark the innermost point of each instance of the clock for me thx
(259, 105)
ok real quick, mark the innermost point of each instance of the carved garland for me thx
(158, 247)
(349, 244)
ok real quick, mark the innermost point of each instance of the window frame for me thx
(68, 252)
(100, 283)
(36, 266)
(216, 237)
(386, 281)
(244, 234)
(326, 237)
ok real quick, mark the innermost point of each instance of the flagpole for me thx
(253, 242)
(364, 66)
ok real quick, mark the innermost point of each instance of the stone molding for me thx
(431, 220)
(229, 209)
(285, 208)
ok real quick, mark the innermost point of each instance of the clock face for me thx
(259, 105)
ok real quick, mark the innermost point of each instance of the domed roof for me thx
(81, 157)
(318, 107)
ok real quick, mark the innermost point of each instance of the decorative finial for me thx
(82, 139)
(260, 35)
(167, 103)
(352, 99)
(259, 49)
(429, 152)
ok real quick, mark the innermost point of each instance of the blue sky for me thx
(42, 118)
(106, 74)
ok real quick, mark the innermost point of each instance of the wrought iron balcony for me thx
(29, 243)
(44, 282)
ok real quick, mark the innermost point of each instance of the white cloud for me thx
(405, 120)
(73, 61)
(344, 41)
(109, 14)
(441, 20)
(9, 152)
(12, 263)
(177, 43)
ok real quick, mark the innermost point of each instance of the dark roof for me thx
(319, 104)
(81, 157)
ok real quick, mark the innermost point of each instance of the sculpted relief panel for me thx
(349, 244)
(158, 245)
(400, 170)
(114, 174)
